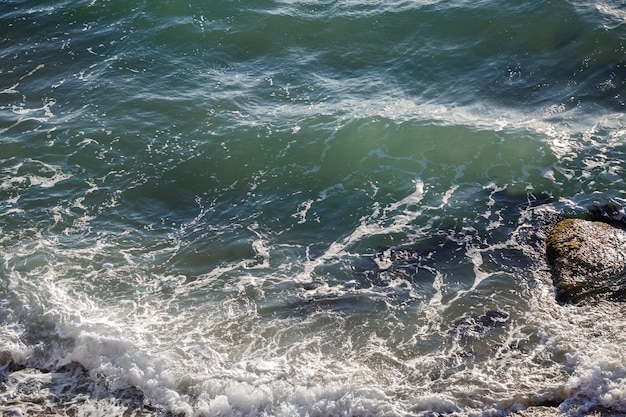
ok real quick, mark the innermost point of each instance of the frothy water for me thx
(303, 209)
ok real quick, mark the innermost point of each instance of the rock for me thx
(7, 363)
(588, 260)
(547, 411)
(537, 411)
(611, 211)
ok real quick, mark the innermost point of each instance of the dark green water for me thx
(204, 205)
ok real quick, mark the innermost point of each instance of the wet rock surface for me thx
(69, 391)
(588, 260)
(537, 411)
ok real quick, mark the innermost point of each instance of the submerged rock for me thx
(479, 325)
(588, 259)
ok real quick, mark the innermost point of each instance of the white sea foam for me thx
(613, 11)
(10, 90)
(294, 327)
(225, 354)
(301, 214)
(33, 173)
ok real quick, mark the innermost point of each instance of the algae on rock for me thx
(588, 259)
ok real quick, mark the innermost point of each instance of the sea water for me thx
(304, 208)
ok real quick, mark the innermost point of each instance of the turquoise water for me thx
(300, 208)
